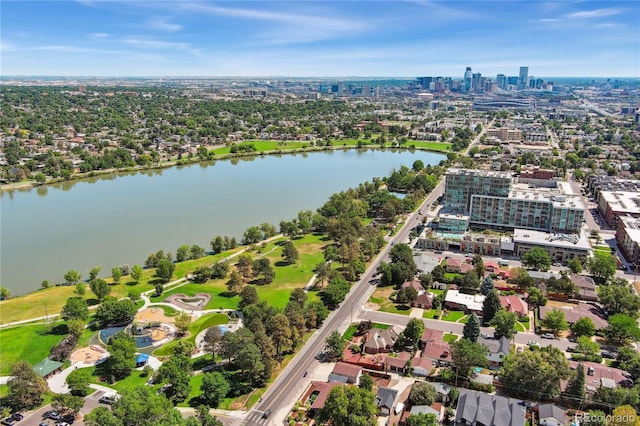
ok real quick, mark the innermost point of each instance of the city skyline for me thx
(320, 39)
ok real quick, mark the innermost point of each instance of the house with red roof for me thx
(345, 373)
(437, 352)
(514, 304)
(317, 395)
(491, 267)
(452, 265)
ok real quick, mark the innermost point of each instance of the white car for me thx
(532, 343)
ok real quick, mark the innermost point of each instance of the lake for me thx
(122, 218)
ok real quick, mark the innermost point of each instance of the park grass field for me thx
(382, 297)
(195, 328)
(262, 145)
(29, 343)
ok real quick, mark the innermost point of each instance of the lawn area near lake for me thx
(263, 146)
(431, 146)
(382, 298)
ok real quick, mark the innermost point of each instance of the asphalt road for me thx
(292, 382)
(35, 418)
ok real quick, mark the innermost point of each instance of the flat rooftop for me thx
(632, 227)
(561, 196)
(622, 201)
(474, 172)
(570, 241)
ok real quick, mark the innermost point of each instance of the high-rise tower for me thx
(523, 78)
(468, 76)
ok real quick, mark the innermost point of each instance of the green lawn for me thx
(451, 276)
(449, 338)
(464, 319)
(220, 298)
(195, 328)
(429, 313)
(436, 291)
(31, 343)
(381, 298)
(452, 316)
(264, 146)
(521, 327)
(431, 146)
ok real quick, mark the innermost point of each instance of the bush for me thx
(524, 320)
(62, 350)
(582, 357)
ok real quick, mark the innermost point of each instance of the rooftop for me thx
(631, 226)
(572, 241)
(622, 201)
(474, 172)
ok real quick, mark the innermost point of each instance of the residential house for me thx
(585, 287)
(576, 311)
(491, 267)
(498, 349)
(479, 408)
(453, 265)
(345, 373)
(386, 399)
(438, 285)
(424, 301)
(468, 303)
(431, 336)
(443, 391)
(425, 409)
(415, 284)
(515, 304)
(601, 375)
(421, 366)
(379, 340)
(550, 415)
(397, 364)
(316, 395)
(438, 353)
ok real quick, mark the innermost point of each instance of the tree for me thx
(349, 406)
(116, 274)
(478, 266)
(113, 311)
(219, 270)
(505, 324)
(67, 404)
(136, 273)
(576, 386)
(417, 166)
(335, 292)
(248, 296)
(535, 374)
(217, 245)
(470, 281)
(422, 393)
(622, 329)
(140, 406)
(78, 381)
(466, 354)
(602, 267)
(244, 266)
(72, 277)
(471, 329)
(251, 235)
(263, 271)
(93, 272)
(121, 361)
(289, 228)
(521, 278)
(281, 332)
(487, 285)
(366, 382)
(100, 288)
(234, 285)
(298, 295)
(335, 345)
(212, 339)
(490, 307)
(26, 387)
(177, 373)
(182, 253)
(619, 299)
(182, 322)
(315, 313)
(583, 327)
(214, 388)
(75, 327)
(75, 308)
(555, 321)
(406, 295)
(537, 258)
(413, 331)
(625, 415)
(196, 252)
(290, 253)
(438, 273)
(575, 265)
(587, 347)
(80, 289)
(422, 419)
(204, 418)
(165, 269)
(536, 297)
(402, 253)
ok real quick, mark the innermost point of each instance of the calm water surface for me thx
(109, 221)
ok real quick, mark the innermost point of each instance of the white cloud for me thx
(163, 25)
(596, 13)
(148, 43)
(99, 36)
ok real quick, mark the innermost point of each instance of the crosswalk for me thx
(256, 418)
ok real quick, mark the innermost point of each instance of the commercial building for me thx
(535, 172)
(505, 135)
(561, 247)
(523, 78)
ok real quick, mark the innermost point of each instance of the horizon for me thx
(327, 39)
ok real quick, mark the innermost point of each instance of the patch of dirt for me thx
(86, 355)
(153, 314)
(372, 306)
(558, 304)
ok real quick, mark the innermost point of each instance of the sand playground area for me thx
(88, 355)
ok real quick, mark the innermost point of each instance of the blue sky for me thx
(326, 38)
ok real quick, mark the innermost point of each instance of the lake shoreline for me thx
(29, 185)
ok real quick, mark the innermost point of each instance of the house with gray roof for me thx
(498, 349)
(379, 340)
(479, 408)
(550, 415)
(386, 398)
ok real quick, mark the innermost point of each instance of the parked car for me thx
(107, 399)
(607, 354)
(8, 421)
(17, 416)
(53, 415)
(548, 336)
(532, 343)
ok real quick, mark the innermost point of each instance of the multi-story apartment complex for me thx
(496, 200)
(461, 184)
(628, 237)
(615, 204)
(504, 134)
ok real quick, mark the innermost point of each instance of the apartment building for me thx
(496, 200)
(615, 204)
(628, 237)
(461, 184)
(505, 135)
